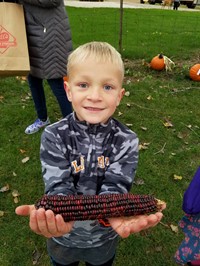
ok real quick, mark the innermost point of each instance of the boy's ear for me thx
(121, 94)
(67, 90)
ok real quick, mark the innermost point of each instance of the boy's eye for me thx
(83, 85)
(107, 87)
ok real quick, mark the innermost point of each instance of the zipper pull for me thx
(45, 30)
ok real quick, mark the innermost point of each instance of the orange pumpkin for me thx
(195, 72)
(65, 78)
(158, 62)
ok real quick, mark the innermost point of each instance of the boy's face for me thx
(95, 90)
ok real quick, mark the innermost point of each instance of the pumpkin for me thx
(158, 62)
(65, 78)
(195, 72)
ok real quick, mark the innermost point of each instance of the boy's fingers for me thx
(38, 223)
(51, 223)
(24, 210)
(33, 222)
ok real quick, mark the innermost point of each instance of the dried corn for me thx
(92, 207)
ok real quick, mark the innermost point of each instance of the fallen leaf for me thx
(16, 200)
(167, 123)
(25, 98)
(139, 181)
(182, 135)
(128, 105)
(144, 128)
(15, 193)
(119, 113)
(22, 151)
(149, 98)
(143, 146)
(36, 256)
(2, 213)
(14, 174)
(127, 93)
(5, 188)
(23, 78)
(26, 159)
(178, 177)
(174, 228)
(129, 125)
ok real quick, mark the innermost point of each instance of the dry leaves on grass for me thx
(5, 188)
(36, 257)
(173, 228)
(127, 93)
(139, 182)
(15, 195)
(22, 79)
(25, 160)
(177, 177)
(167, 123)
(144, 145)
(2, 213)
(1, 98)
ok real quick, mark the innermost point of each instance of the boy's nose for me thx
(94, 94)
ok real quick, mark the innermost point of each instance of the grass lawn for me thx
(161, 107)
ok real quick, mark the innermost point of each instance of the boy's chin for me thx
(95, 122)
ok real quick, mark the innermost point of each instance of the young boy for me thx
(88, 152)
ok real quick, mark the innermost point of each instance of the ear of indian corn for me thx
(93, 207)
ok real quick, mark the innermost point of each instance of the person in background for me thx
(49, 44)
(176, 4)
(88, 153)
(189, 250)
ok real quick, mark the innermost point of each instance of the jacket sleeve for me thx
(121, 171)
(56, 168)
(42, 3)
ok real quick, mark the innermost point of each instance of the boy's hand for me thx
(44, 222)
(125, 226)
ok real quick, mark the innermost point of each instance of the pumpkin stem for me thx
(160, 56)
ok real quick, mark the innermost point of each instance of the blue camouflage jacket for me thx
(81, 158)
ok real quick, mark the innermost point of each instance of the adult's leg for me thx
(37, 91)
(57, 86)
(76, 263)
(108, 263)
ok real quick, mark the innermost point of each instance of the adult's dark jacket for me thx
(49, 37)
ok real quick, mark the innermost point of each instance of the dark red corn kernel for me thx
(92, 207)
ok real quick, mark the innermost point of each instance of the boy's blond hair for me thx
(100, 51)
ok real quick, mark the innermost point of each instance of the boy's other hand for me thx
(44, 222)
(125, 226)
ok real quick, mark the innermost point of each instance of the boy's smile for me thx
(95, 90)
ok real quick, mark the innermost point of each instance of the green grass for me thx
(145, 32)
(170, 151)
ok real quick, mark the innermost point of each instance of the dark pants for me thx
(108, 263)
(37, 91)
(176, 5)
